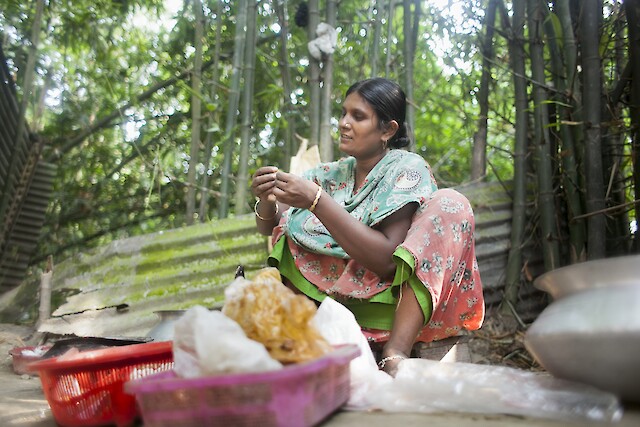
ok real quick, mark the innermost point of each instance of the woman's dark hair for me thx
(388, 100)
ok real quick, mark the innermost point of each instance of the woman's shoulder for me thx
(409, 158)
(411, 166)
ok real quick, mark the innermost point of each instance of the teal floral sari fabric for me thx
(399, 178)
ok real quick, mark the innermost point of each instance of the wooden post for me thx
(44, 310)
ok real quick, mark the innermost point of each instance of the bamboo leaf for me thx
(557, 27)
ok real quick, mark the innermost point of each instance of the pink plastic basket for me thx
(298, 395)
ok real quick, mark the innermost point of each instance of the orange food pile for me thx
(275, 316)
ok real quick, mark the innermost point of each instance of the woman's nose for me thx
(343, 123)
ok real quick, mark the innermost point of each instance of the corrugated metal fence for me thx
(26, 183)
(114, 290)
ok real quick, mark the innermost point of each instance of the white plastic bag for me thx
(338, 326)
(209, 343)
(305, 158)
(325, 43)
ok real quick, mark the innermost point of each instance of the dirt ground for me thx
(22, 402)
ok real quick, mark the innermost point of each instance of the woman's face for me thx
(360, 133)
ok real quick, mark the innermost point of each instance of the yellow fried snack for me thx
(274, 315)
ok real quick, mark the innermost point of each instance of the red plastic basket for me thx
(86, 389)
(299, 395)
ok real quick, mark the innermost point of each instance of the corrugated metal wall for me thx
(492, 208)
(26, 182)
(115, 289)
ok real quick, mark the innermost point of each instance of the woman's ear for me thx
(390, 129)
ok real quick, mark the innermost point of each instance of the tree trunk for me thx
(213, 118)
(567, 15)
(314, 77)
(196, 113)
(614, 138)
(479, 159)
(417, 16)
(542, 144)
(326, 143)
(570, 179)
(592, 96)
(232, 112)
(375, 44)
(518, 219)
(247, 109)
(632, 9)
(390, 11)
(290, 131)
(37, 122)
(409, 49)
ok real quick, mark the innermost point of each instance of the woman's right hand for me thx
(266, 208)
(263, 183)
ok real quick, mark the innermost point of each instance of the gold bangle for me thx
(255, 209)
(315, 201)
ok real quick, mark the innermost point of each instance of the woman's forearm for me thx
(371, 247)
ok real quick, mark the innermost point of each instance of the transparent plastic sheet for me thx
(429, 386)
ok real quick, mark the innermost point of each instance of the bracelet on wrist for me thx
(255, 210)
(315, 201)
(384, 360)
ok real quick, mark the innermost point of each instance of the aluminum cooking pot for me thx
(601, 273)
(593, 337)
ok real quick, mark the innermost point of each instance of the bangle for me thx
(388, 358)
(255, 209)
(315, 201)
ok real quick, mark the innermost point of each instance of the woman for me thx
(372, 231)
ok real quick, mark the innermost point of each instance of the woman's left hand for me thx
(294, 190)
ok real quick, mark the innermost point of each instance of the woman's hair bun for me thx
(402, 138)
